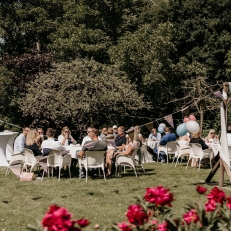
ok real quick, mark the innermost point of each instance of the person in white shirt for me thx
(88, 138)
(50, 143)
(20, 141)
(65, 138)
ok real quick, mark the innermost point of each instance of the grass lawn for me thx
(103, 203)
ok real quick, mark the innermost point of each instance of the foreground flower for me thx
(124, 226)
(82, 222)
(136, 214)
(210, 206)
(217, 195)
(191, 216)
(162, 226)
(57, 218)
(228, 202)
(201, 190)
(159, 196)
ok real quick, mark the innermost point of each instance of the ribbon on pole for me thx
(169, 119)
(149, 126)
(218, 94)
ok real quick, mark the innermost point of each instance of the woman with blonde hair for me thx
(211, 136)
(65, 138)
(31, 142)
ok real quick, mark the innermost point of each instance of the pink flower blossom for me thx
(210, 206)
(163, 226)
(191, 216)
(82, 222)
(228, 202)
(57, 218)
(124, 226)
(201, 190)
(159, 196)
(217, 196)
(136, 214)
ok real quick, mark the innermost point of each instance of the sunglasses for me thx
(40, 133)
(212, 133)
(88, 131)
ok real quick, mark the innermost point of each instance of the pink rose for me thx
(124, 226)
(210, 206)
(163, 226)
(57, 218)
(136, 214)
(228, 202)
(191, 216)
(217, 195)
(159, 196)
(82, 222)
(201, 190)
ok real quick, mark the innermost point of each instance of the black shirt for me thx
(199, 141)
(120, 140)
(35, 149)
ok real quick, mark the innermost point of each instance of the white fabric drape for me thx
(224, 154)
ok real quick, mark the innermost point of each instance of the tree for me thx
(145, 56)
(80, 92)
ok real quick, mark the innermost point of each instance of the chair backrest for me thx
(54, 158)
(95, 158)
(177, 148)
(67, 159)
(171, 147)
(196, 149)
(30, 158)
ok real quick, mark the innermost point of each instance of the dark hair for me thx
(122, 128)
(50, 132)
(168, 129)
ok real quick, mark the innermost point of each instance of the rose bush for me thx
(153, 213)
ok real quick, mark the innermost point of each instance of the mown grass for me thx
(103, 203)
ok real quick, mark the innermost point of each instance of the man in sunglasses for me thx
(20, 141)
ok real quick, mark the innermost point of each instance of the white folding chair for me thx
(197, 152)
(18, 158)
(30, 160)
(92, 159)
(180, 152)
(169, 149)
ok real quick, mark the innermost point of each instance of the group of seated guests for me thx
(183, 141)
(34, 139)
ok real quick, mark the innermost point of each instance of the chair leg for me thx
(135, 171)
(188, 162)
(167, 157)
(143, 168)
(59, 173)
(43, 174)
(177, 160)
(173, 160)
(116, 170)
(103, 174)
(69, 167)
(86, 174)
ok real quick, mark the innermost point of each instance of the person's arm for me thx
(21, 144)
(37, 150)
(62, 139)
(163, 141)
(72, 140)
(126, 152)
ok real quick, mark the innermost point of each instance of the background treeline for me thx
(87, 62)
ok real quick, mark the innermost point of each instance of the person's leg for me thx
(109, 155)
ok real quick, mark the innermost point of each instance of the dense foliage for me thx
(157, 45)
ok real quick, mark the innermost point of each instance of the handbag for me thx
(26, 176)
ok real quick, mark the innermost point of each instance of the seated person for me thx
(40, 132)
(50, 143)
(103, 133)
(20, 141)
(156, 136)
(110, 134)
(183, 141)
(65, 138)
(229, 135)
(141, 138)
(195, 138)
(120, 139)
(168, 137)
(88, 138)
(31, 142)
(94, 144)
(211, 136)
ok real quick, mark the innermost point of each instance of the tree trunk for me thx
(201, 118)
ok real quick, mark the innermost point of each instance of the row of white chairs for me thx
(92, 159)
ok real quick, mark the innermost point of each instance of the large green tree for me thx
(80, 92)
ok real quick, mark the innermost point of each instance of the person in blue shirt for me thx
(156, 136)
(168, 137)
